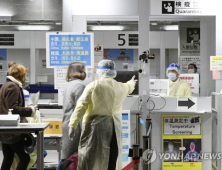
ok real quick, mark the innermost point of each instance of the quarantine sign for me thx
(181, 136)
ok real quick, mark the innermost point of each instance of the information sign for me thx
(64, 48)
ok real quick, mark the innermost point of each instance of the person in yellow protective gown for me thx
(100, 146)
(178, 88)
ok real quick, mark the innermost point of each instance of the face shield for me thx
(106, 69)
(171, 67)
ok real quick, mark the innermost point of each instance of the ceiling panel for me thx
(32, 9)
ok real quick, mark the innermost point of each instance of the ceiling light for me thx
(120, 28)
(58, 23)
(41, 23)
(170, 27)
(33, 28)
(153, 23)
(5, 18)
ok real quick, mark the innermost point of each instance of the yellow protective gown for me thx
(180, 88)
(101, 106)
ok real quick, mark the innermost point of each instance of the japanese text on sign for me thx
(185, 61)
(182, 148)
(187, 4)
(55, 126)
(215, 63)
(192, 80)
(60, 77)
(189, 80)
(180, 125)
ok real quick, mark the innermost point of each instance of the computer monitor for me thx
(159, 87)
(124, 76)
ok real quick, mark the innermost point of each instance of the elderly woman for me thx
(100, 105)
(74, 89)
(11, 97)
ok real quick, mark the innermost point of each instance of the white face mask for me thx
(172, 76)
(191, 71)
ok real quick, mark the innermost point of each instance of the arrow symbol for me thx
(188, 103)
(182, 148)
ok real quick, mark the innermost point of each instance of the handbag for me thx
(70, 163)
(29, 142)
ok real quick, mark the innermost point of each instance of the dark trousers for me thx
(8, 152)
(113, 152)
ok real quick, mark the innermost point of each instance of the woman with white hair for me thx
(101, 108)
(178, 88)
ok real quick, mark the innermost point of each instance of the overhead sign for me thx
(133, 39)
(182, 145)
(187, 104)
(182, 7)
(128, 40)
(192, 80)
(7, 39)
(215, 63)
(64, 48)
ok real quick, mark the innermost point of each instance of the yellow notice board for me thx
(215, 63)
(181, 142)
(55, 126)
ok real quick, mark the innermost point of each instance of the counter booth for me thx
(185, 132)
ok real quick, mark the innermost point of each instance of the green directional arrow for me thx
(188, 103)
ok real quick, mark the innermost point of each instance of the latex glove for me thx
(71, 133)
(36, 107)
(133, 79)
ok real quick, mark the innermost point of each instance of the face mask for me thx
(191, 71)
(25, 84)
(172, 76)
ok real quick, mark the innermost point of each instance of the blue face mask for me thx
(172, 76)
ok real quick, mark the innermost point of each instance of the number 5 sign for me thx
(121, 38)
(128, 39)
